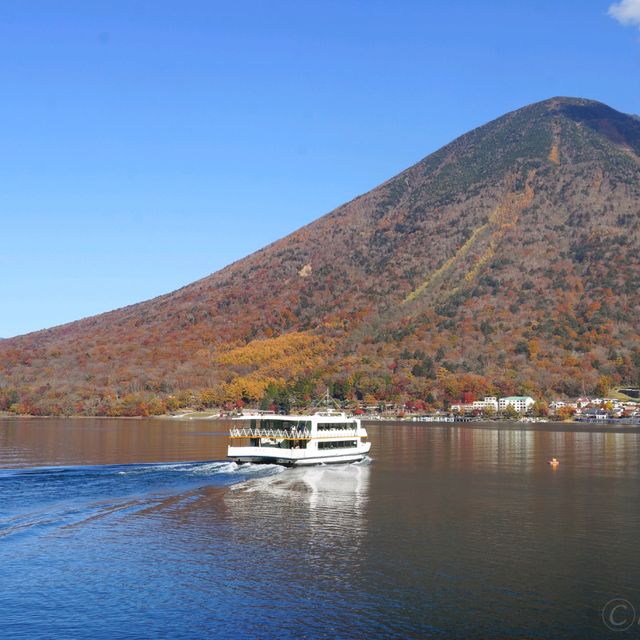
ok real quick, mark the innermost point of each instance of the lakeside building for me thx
(599, 408)
(521, 404)
(614, 408)
(491, 403)
(594, 414)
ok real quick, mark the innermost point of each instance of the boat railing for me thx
(249, 432)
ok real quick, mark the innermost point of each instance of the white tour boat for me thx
(319, 438)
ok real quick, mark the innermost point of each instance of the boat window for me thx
(335, 426)
(337, 444)
(282, 425)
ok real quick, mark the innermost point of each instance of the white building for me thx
(489, 402)
(521, 404)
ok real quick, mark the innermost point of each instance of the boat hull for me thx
(298, 463)
(295, 458)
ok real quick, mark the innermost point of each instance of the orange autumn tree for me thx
(251, 368)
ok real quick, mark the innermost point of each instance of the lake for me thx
(141, 529)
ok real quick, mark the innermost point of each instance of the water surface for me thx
(139, 528)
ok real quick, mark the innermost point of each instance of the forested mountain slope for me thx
(508, 261)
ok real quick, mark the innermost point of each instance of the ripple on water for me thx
(38, 501)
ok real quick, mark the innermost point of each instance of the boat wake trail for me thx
(56, 499)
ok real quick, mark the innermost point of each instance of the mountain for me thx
(505, 262)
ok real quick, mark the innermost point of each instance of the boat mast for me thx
(330, 404)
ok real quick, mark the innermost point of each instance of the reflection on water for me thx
(449, 532)
(331, 490)
(53, 441)
(512, 448)
(324, 508)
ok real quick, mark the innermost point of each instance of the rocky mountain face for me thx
(508, 261)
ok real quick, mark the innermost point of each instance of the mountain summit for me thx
(505, 262)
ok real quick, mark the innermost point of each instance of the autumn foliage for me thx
(505, 263)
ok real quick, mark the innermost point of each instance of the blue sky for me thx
(148, 144)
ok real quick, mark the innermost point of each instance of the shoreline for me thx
(602, 426)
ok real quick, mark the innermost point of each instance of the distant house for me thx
(489, 402)
(595, 414)
(521, 404)
(461, 408)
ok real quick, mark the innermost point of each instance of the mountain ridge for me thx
(542, 201)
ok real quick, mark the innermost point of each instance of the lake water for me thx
(140, 529)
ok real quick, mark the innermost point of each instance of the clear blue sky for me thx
(148, 144)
